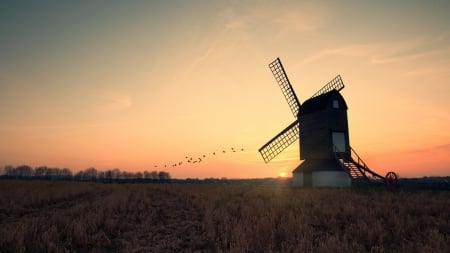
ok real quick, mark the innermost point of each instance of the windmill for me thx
(321, 125)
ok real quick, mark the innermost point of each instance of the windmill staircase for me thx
(357, 169)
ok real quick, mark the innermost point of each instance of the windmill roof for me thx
(320, 102)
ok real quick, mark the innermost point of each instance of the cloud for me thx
(434, 47)
(375, 53)
(443, 148)
(415, 53)
(123, 101)
(236, 25)
(348, 50)
(276, 17)
(429, 70)
(298, 19)
(243, 26)
(113, 101)
(414, 49)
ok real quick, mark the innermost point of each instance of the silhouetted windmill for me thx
(322, 127)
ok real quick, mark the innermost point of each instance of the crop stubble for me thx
(44, 216)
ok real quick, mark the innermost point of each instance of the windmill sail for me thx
(335, 84)
(280, 75)
(280, 142)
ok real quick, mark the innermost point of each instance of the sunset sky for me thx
(139, 84)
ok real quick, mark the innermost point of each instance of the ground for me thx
(45, 216)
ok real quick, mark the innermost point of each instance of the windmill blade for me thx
(280, 142)
(335, 84)
(280, 75)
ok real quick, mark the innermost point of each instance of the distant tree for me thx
(78, 176)
(147, 175)
(40, 172)
(109, 176)
(127, 175)
(138, 175)
(115, 173)
(90, 174)
(122, 175)
(163, 175)
(9, 170)
(27, 171)
(101, 175)
(24, 171)
(155, 175)
(55, 173)
(66, 174)
(51, 173)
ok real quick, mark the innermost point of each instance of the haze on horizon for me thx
(135, 84)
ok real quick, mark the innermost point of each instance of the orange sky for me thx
(134, 85)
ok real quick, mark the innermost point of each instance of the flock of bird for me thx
(192, 160)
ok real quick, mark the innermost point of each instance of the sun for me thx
(283, 174)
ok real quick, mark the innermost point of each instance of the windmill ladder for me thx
(360, 173)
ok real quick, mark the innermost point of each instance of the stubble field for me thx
(45, 216)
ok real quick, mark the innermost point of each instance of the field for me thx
(46, 216)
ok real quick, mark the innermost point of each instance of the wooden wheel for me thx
(391, 179)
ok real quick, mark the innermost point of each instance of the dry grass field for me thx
(45, 216)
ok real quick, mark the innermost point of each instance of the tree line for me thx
(89, 174)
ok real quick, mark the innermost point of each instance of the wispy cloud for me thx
(298, 18)
(292, 17)
(429, 70)
(420, 48)
(415, 53)
(390, 52)
(21, 127)
(244, 26)
(112, 101)
(238, 24)
(348, 50)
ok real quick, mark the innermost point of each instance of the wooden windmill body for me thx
(324, 128)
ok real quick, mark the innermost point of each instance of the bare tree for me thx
(90, 174)
(66, 174)
(40, 172)
(139, 175)
(163, 175)
(147, 175)
(9, 170)
(155, 175)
